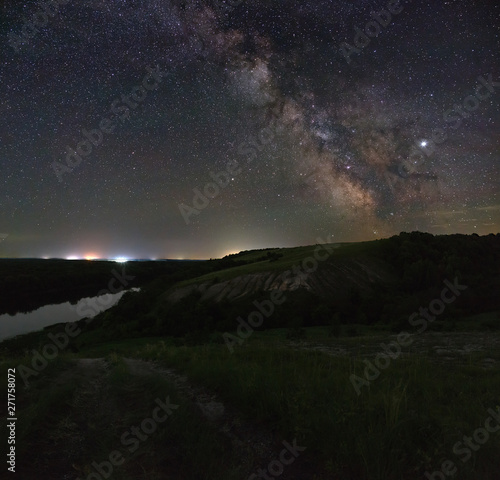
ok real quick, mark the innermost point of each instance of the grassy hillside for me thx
(279, 260)
(373, 283)
(234, 411)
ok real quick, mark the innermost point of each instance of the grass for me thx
(73, 413)
(291, 256)
(405, 423)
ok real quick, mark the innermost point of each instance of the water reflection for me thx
(11, 325)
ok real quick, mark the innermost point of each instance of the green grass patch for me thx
(404, 423)
(291, 256)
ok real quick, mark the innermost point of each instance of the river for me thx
(12, 325)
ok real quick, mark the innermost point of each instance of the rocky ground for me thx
(477, 348)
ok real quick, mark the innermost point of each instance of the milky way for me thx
(320, 118)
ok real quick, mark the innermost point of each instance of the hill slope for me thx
(381, 281)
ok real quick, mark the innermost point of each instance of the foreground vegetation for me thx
(404, 423)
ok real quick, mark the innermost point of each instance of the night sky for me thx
(118, 117)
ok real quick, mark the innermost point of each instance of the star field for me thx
(331, 124)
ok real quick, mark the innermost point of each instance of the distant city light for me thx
(120, 259)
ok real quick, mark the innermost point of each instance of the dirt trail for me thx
(67, 438)
(61, 438)
(254, 445)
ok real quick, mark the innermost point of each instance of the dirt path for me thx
(64, 444)
(254, 445)
(62, 436)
